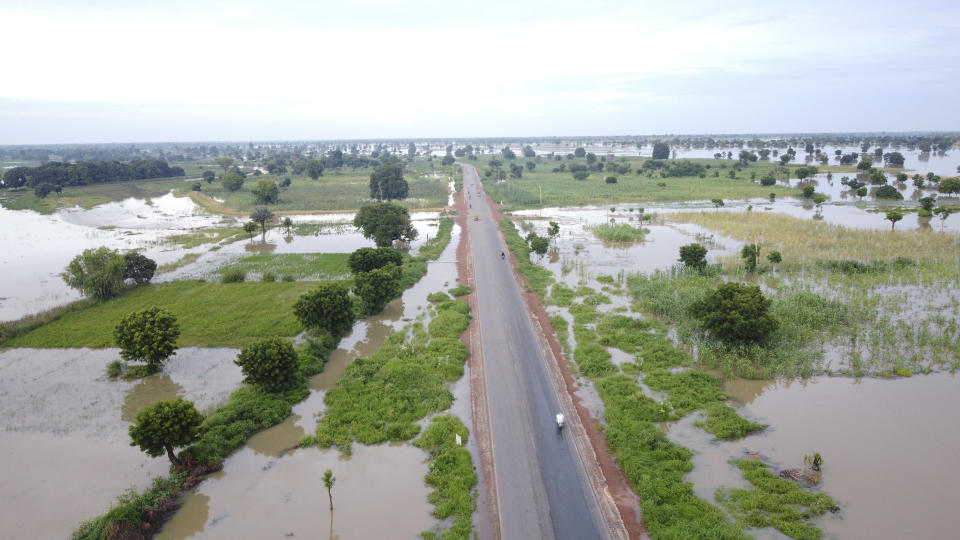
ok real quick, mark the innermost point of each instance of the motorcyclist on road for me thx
(559, 421)
(502, 256)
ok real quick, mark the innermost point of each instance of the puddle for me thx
(888, 448)
(65, 443)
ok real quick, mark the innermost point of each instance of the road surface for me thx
(542, 487)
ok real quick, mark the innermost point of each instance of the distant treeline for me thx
(88, 172)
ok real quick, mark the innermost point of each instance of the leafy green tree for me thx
(446, 161)
(949, 185)
(328, 307)
(314, 168)
(250, 227)
(819, 199)
(694, 256)
(610, 180)
(385, 223)
(287, 224)
(528, 152)
(553, 229)
(225, 162)
(808, 191)
(261, 215)
(366, 259)
(750, 253)
(516, 171)
(328, 480)
(893, 216)
(164, 426)
(579, 152)
(530, 165)
(927, 204)
(581, 175)
(943, 212)
(387, 183)
(138, 267)
(774, 257)
(266, 191)
(97, 273)
(888, 192)
(661, 151)
(539, 245)
(147, 336)
(861, 192)
(717, 203)
(271, 364)
(231, 181)
(377, 287)
(735, 313)
(209, 176)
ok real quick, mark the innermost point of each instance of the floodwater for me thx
(65, 444)
(271, 488)
(888, 447)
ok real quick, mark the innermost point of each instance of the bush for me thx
(147, 336)
(611, 180)
(735, 313)
(270, 364)
(694, 256)
(367, 259)
(97, 273)
(461, 290)
(288, 278)
(377, 287)
(268, 277)
(888, 192)
(138, 267)
(328, 307)
(114, 369)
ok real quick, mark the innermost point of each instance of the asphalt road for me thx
(542, 487)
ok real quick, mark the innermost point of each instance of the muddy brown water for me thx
(65, 446)
(888, 446)
(270, 488)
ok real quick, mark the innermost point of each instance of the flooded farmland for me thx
(62, 418)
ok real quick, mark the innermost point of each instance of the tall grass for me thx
(538, 278)
(616, 232)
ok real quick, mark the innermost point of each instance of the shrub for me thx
(611, 180)
(233, 275)
(97, 273)
(367, 259)
(328, 307)
(270, 364)
(147, 336)
(888, 192)
(735, 313)
(461, 290)
(268, 277)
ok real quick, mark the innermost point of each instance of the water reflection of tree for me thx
(260, 247)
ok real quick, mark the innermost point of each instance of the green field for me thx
(210, 315)
(562, 189)
(89, 196)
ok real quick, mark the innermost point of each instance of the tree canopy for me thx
(366, 259)
(387, 183)
(147, 336)
(661, 150)
(272, 364)
(385, 223)
(138, 267)
(377, 287)
(328, 307)
(694, 256)
(232, 181)
(167, 425)
(97, 273)
(735, 313)
(266, 191)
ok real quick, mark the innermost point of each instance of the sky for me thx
(125, 71)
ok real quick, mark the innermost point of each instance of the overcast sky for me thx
(117, 71)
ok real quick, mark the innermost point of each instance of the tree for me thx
(888, 192)
(209, 176)
(927, 204)
(266, 191)
(539, 245)
(579, 152)
(225, 162)
(261, 215)
(694, 256)
(949, 185)
(661, 150)
(735, 313)
(528, 152)
(717, 203)
(250, 227)
(287, 224)
(553, 229)
(164, 426)
(516, 171)
(271, 364)
(231, 181)
(328, 480)
(387, 183)
(377, 287)
(774, 257)
(750, 253)
(314, 168)
(808, 191)
(581, 175)
(861, 192)
(385, 223)
(893, 216)
(893, 159)
(139, 268)
(97, 273)
(530, 165)
(328, 307)
(367, 259)
(147, 336)
(610, 180)
(943, 212)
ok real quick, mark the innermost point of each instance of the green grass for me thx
(331, 192)
(774, 502)
(561, 189)
(200, 237)
(726, 424)
(179, 263)
(621, 233)
(210, 315)
(303, 266)
(561, 294)
(381, 398)
(460, 290)
(89, 196)
(451, 476)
